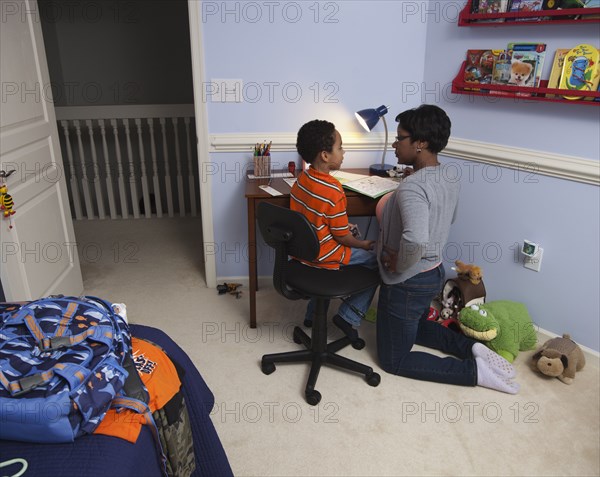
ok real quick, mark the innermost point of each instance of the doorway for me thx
(105, 54)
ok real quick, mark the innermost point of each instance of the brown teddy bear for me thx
(469, 272)
(560, 358)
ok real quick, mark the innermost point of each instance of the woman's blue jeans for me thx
(402, 322)
(358, 302)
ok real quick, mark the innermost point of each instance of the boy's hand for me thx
(368, 244)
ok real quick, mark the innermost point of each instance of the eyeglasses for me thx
(401, 138)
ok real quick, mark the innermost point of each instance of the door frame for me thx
(201, 119)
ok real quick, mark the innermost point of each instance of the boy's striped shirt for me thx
(321, 199)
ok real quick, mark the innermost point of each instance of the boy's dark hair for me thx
(427, 123)
(313, 137)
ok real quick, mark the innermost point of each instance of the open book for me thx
(371, 186)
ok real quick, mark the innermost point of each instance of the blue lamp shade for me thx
(368, 118)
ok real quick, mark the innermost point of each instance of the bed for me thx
(99, 455)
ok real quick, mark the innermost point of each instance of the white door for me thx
(38, 254)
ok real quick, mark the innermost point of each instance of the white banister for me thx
(73, 179)
(155, 173)
(144, 181)
(121, 178)
(85, 183)
(132, 184)
(109, 185)
(168, 191)
(144, 176)
(97, 184)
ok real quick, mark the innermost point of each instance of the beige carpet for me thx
(401, 427)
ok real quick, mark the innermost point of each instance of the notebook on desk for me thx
(371, 186)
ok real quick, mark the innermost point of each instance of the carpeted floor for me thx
(402, 427)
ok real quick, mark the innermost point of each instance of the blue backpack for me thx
(63, 362)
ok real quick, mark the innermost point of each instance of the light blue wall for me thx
(501, 207)
(412, 60)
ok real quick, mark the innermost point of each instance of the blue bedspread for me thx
(97, 455)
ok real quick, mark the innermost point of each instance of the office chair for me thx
(290, 233)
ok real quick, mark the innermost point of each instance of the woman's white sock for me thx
(488, 378)
(496, 362)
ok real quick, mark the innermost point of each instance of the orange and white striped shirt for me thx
(321, 199)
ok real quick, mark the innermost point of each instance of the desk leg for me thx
(252, 272)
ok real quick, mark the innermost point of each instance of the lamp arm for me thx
(386, 141)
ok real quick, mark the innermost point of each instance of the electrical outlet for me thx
(226, 90)
(534, 263)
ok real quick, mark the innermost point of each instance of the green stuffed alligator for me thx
(504, 326)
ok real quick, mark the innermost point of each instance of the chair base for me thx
(319, 353)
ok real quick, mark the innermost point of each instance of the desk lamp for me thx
(368, 118)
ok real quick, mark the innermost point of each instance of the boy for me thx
(321, 199)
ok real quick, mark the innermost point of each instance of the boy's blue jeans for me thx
(360, 301)
(402, 322)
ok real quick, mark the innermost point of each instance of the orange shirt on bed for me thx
(162, 382)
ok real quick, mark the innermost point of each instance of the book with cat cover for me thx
(556, 71)
(533, 53)
(478, 67)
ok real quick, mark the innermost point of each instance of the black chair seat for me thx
(321, 283)
(290, 234)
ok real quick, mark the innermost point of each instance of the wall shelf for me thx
(542, 93)
(466, 18)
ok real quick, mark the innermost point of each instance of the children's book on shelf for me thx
(489, 7)
(580, 70)
(556, 71)
(479, 67)
(526, 6)
(501, 71)
(527, 63)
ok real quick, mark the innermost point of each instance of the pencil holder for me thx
(262, 166)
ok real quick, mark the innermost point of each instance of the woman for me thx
(414, 226)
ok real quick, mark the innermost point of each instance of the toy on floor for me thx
(231, 288)
(469, 272)
(559, 358)
(503, 326)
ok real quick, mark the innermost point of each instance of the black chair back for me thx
(289, 233)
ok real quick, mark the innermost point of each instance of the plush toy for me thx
(468, 271)
(503, 326)
(559, 358)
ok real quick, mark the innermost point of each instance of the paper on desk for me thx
(270, 190)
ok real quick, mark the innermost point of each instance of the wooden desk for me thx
(358, 205)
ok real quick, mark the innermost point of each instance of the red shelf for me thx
(466, 18)
(460, 86)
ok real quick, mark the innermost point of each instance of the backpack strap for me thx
(142, 408)
(74, 374)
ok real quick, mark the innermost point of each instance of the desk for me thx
(358, 205)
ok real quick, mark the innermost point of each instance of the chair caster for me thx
(313, 397)
(267, 368)
(358, 344)
(373, 379)
(296, 335)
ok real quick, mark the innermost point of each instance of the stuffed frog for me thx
(503, 326)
